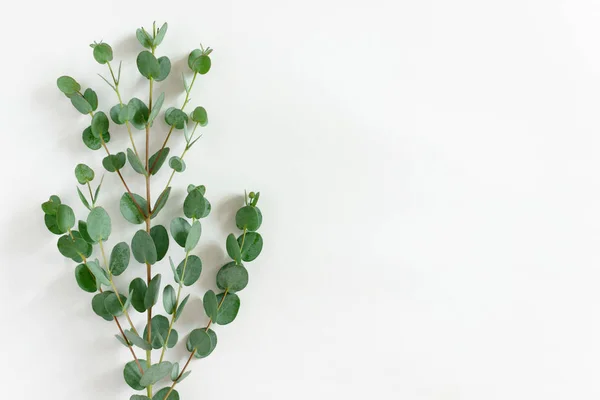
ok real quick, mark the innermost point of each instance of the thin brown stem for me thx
(179, 376)
(129, 346)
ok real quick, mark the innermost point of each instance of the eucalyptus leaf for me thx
(156, 108)
(162, 394)
(68, 85)
(98, 224)
(99, 272)
(180, 228)
(176, 118)
(200, 341)
(138, 290)
(132, 374)
(175, 274)
(92, 142)
(193, 236)
(84, 201)
(74, 247)
(164, 65)
(50, 221)
(50, 207)
(138, 113)
(252, 245)
(160, 237)
(152, 292)
(161, 201)
(82, 226)
(213, 344)
(210, 305)
(136, 163)
(129, 208)
(181, 307)
(190, 271)
(85, 279)
(143, 248)
(81, 104)
(65, 218)
(233, 248)
(175, 371)
(91, 97)
(114, 162)
(144, 38)
(119, 114)
(139, 397)
(84, 174)
(177, 164)
(194, 205)
(119, 258)
(200, 116)
(160, 34)
(113, 305)
(136, 340)
(247, 218)
(99, 124)
(183, 376)
(232, 277)
(157, 160)
(169, 299)
(121, 340)
(148, 65)
(103, 53)
(98, 305)
(160, 331)
(229, 308)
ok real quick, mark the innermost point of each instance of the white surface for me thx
(430, 184)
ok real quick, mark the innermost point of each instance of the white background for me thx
(430, 191)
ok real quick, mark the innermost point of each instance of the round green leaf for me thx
(162, 393)
(74, 247)
(164, 65)
(169, 299)
(50, 221)
(199, 115)
(144, 38)
(91, 97)
(148, 65)
(99, 124)
(119, 258)
(138, 289)
(143, 248)
(193, 236)
(112, 304)
(68, 85)
(99, 307)
(201, 189)
(252, 245)
(129, 209)
(114, 162)
(229, 308)
(93, 142)
(99, 272)
(103, 53)
(233, 248)
(210, 305)
(177, 164)
(232, 277)
(194, 205)
(84, 174)
(82, 226)
(119, 114)
(98, 224)
(200, 341)
(198, 62)
(175, 117)
(139, 396)
(85, 279)
(160, 202)
(193, 269)
(193, 56)
(135, 162)
(213, 344)
(247, 218)
(138, 113)
(132, 374)
(65, 218)
(51, 206)
(180, 228)
(161, 240)
(152, 292)
(158, 159)
(155, 373)
(136, 340)
(160, 330)
(160, 35)
(181, 307)
(80, 103)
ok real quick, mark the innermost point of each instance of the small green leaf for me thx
(50, 207)
(65, 218)
(119, 258)
(93, 142)
(136, 340)
(136, 163)
(160, 237)
(194, 205)
(175, 371)
(193, 236)
(129, 209)
(84, 201)
(85, 279)
(73, 247)
(148, 65)
(181, 307)
(84, 174)
(138, 113)
(185, 375)
(193, 269)
(175, 274)
(121, 340)
(175, 117)
(99, 272)
(252, 245)
(68, 85)
(82, 226)
(160, 34)
(213, 343)
(156, 108)
(180, 228)
(143, 248)
(132, 374)
(103, 53)
(210, 305)
(113, 304)
(200, 116)
(164, 65)
(199, 62)
(169, 299)
(91, 97)
(98, 189)
(177, 164)
(98, 305)
(229, 308)
(201, 189)
(127, 302)
(233, 248)
(140, 397)
(152, 292)
(98, 224)
(50, 221)
(247, 218)
(144, 38)
(81, 104)
(232, 277)
(160, 329)
(114, 162)
(161, 201)
(119, 114)
(158, 159)
(99, 124)
(138, 289)
(162, 394)
(200, 341)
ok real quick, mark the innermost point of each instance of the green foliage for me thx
(151, 244)
(232, 277)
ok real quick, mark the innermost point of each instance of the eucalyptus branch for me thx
(149, 245)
